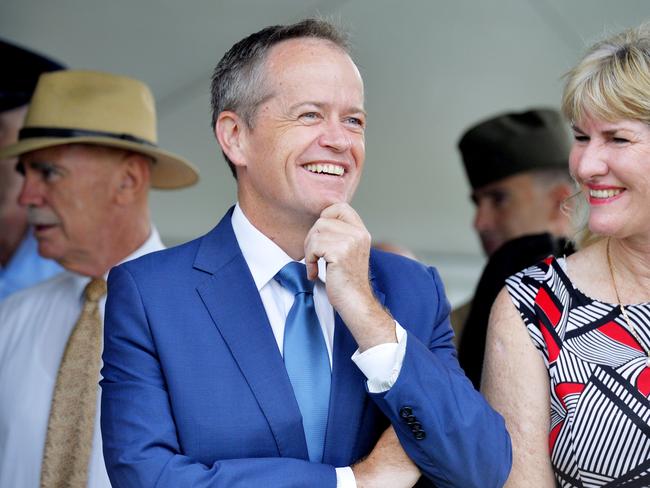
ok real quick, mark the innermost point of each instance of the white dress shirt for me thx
(380, 364)
(35, 324)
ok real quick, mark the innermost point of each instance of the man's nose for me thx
(31, 192)
(483, 217)
(335, 136)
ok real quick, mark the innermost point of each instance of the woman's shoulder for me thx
(538, 273)
(539, 285)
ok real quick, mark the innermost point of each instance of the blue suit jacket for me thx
(195, 392)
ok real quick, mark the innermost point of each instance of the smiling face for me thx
(611, 163)
(306, 149)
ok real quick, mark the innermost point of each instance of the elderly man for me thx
(88, 154)
(230, 361)
(517, 165)
(20, 264)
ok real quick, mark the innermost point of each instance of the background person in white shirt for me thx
(87, 177)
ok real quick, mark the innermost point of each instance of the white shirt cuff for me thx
(382, 364)
(345, 478)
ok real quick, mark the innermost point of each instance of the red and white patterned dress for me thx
(600, 413)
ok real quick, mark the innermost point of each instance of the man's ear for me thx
(231, 132)
(134, 177)
(560, 193)
(559, 219)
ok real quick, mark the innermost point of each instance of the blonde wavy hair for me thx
(611, 82)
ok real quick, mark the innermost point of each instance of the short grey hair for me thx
(238, 82)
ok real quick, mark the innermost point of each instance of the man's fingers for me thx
(326, 224)
(337, 230)
(331, 238)
(328, 247)
(311, 261)
(344, 212)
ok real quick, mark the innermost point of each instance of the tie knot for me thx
(293, 277)
(95, 289)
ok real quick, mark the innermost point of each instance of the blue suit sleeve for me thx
(141, 447)
(462, 442)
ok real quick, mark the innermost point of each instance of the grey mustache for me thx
(38, 216)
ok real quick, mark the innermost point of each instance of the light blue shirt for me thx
(26, 268)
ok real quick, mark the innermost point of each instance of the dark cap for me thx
(20, 72)
(513, 143)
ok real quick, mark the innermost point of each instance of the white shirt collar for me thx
(263, 256)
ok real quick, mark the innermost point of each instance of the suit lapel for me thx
(234, 304)
(348, 399)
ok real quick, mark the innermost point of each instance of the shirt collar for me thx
(263, 256)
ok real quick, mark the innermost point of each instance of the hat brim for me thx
(167, 172)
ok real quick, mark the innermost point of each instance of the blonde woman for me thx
(568, 346)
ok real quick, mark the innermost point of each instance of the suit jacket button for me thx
(411, 419)
(405, 412)
(416, 427)
(420, 434)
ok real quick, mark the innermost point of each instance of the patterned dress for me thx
(600, 413)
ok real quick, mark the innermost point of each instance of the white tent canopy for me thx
(431, 68)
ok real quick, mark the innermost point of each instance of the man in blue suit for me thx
(212, 373)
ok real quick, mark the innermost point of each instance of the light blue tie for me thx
(306, 358)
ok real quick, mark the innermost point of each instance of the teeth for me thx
(331, 169)
(604, 193)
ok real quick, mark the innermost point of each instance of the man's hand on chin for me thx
(386, 465)
(340, 237)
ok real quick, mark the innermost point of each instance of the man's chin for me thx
(489, 247)
(329, 201)
(46, 250)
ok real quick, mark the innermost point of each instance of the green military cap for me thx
(515, 142)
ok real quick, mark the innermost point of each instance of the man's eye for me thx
(356, 121)
(46, 170)
(310, 116)
(498, 199)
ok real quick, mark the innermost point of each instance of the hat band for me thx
(32, 132)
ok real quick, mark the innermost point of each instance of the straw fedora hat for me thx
(90, 107)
